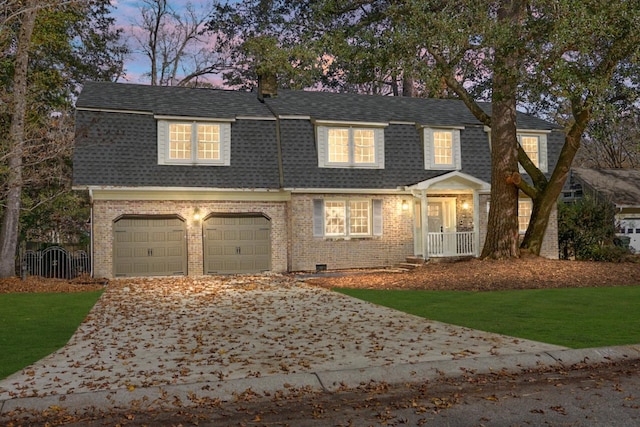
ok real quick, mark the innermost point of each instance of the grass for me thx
(35, 325)
(570, 317)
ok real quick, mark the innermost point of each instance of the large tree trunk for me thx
(546, 199)
(502, 229)
(502, 239)
(11, 218)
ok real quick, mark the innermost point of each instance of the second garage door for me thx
(237, 244)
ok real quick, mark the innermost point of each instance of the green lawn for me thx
(572, 317)
(35, 325)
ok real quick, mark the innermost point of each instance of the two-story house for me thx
(191, 181)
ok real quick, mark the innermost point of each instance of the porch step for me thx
(417, 260)
(411, 263)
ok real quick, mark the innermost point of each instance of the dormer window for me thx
(194, 142)
(442, 149)
(350, 147)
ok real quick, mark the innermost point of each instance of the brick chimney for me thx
(267, 86)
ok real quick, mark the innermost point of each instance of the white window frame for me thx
(322, 137)
(322, 226)
(542, 149)
(164, 154)
(428, 136)
(346, 219)
(523, 220)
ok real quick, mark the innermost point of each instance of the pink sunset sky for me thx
(127, 13)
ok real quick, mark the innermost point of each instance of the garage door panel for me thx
(175, 252)
(158, 236)
(149, 247)
(246, 235)
(214, 250)
(123, 252)
(247, 250)
(158, 252)
(237, 244)
(122, 236)
(262, 249)
(140, 236)
(213, 234)
(262, 234)
(140, 252)
(174, 236)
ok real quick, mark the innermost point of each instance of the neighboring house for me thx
(620, 187)
(193, 181)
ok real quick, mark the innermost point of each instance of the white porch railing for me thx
(461, 243)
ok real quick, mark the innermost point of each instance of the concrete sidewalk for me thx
(163, 342)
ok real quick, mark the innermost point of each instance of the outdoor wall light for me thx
(196, 214)
(465, 205)
(405, 205)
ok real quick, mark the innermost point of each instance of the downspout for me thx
(91, 230)
(281, 183)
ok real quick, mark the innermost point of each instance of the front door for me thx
(441, 217)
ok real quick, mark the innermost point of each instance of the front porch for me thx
(447, 215)
(451, 244)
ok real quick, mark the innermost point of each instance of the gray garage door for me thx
(237, 244)
(150, 246)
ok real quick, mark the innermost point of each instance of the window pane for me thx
(530, 146)
(208, 142)
(442, 148)
(524, 214)
(364, 148)
(339, 145)
(180, 141)
(334, 218)
(359, 217)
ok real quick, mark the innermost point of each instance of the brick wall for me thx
(307, 251)
(106, 212)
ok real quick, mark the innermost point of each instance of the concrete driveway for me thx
(157, 332)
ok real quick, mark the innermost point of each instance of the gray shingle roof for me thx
(620, 186)
(372, 108)
(171, 101)
(118, 149)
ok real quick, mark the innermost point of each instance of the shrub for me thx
(586, 231)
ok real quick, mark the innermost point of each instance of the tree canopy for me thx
(48, 49)
(557, 58)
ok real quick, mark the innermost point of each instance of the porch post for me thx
(425, 224)
(476, 223)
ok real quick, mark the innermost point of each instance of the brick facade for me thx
(393, 246)
(293, 245)
(105, 212)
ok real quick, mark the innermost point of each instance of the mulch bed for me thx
(469, 275)
(486, 275)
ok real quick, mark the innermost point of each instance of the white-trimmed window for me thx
(350, 147)
(194, 142)
(524, 214)
(442, 149)
(347, 218)
(535, 145)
